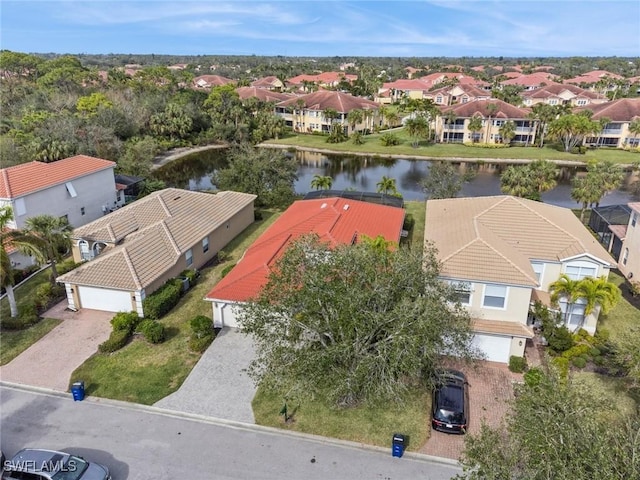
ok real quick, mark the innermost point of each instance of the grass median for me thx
(372, 145)
(144, 373)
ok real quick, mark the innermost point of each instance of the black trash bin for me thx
(398, 444)
(77, 390)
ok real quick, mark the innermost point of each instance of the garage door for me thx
(496, 348)
(102, 299)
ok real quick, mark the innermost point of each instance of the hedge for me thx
(126, 321)
(152, 330)
(116, 341)
(162, 300)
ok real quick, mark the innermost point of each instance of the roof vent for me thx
(324, 205)
(346, 207)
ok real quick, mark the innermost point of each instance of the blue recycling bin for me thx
(398, 444)
(77, 390)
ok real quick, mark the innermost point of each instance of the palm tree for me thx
(320, 182)
(330, 114)
(475, 126)
(585, 192)
(55, 233)
(355, 117)
(634, 129)
(392, 116)
(492, 108)
(378, 244)
(517, 181)
(544, 114)
(12, 239)
(507, 131)
(567, 289)
(417, 127)
(544, 174)
(598, 291)
(449, 118)
(387, 185)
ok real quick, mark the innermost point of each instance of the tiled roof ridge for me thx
(163, 204)
(5, 178)
(134, 274)
(500, 254)
(112, 234)
(538, 214)
(172, 240)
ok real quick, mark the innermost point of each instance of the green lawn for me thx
(417, 210)
(369, 425)
(25, 292)
(610, 390)
(373, 146)
(621, 317)
(13, 343)
(145, 373)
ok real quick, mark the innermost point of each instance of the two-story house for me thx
(629, 261)
(618, 115)
(503, 253)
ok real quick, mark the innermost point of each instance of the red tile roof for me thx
(530, 80)
(323, 78)
(555, 89)
(621, 110)
(211, 81)
(481, 107)
(267, 82)
(593, 77)
(339, 101)
(405, 84)
(335, 220)
(29, 177)
(262, 94)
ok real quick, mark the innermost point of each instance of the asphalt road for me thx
(148, 443)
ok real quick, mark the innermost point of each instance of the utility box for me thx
(77, 390)
(398, 444)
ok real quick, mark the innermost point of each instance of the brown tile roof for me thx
(480, 107)
(468, 89)
(322, 78)
(262, 94)
(266, 82)
(531, 79)
(542, 297)
(556, 89)
(152, 233)
(30, 177)
(635, 206)
(622, 110)
(339, 101)
(211, 80)
(593, 77)
(501, 327)
(619, 231)
(493, 239)
(334, 220)
(408, 84)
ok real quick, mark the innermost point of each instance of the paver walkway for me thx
(218, 386)
(490, 390)
(50, 361)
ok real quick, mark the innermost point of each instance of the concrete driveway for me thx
(218, 386)
(490, 390)
(50, 361)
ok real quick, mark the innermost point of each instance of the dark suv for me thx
(450, 406)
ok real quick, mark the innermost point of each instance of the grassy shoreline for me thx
(451, 152)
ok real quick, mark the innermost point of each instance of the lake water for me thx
(194, 172)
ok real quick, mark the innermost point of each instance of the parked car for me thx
(38, 464)
(450, 406)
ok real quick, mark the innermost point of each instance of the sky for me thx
(438, 28)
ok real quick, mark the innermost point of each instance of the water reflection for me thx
(194, 172)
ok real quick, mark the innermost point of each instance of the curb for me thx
(228, 423)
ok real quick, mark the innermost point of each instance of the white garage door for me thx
(496, 348)
(102, 299)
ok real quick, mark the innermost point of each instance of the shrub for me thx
(192, 275)
(226, 270)
(485, 145)
(201, 326)
(562, 364)
(560, 339)
(602, 336)
(595, 352)
(579, 362)
(20, 275)
(357, 138)
(389, 139)
(599, 360)
(409, 222)
(533, 377)
(125, 321)
(46, 293)
(580, 335)
(517, 364)
(257, 215)
(66, 266)
(115, 342)
(162, 300)
(153, 331)
(200, 344)
(577, 351)
(27, 316)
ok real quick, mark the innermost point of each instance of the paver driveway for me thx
(218, 385)
(50, 361)
(490, 390)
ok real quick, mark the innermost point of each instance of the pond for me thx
(193, 172)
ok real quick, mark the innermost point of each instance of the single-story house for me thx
(133, 251)
(335, 220)
(504, 252)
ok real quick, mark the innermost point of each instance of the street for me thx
(145, 443)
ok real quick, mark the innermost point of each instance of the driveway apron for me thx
(218, 386)
(50, 361)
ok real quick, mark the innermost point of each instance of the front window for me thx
(573, 313)
(625, 256)
(495, 296)
(463, 291)
(205, 244)
(575, 272)
(189, 257)
(538, 268)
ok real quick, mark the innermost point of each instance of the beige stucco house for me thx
(504, 252)
(133, 251)
(619, 115)
(629, 262)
